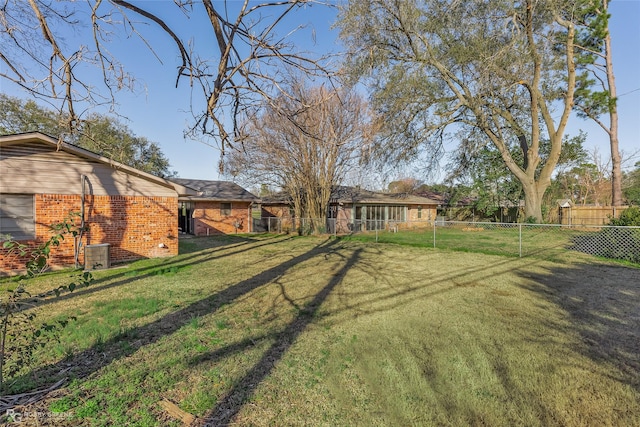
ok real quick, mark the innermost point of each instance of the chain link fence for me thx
(529, 239)
(511, 239)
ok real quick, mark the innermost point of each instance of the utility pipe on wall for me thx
(78, 238)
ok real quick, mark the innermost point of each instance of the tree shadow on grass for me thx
(199, 243)
(227, 408)
(603, 305)
(100, 355)
(173, 265)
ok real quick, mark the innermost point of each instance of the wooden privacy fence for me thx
(588, 215)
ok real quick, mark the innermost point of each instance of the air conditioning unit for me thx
(96, 257)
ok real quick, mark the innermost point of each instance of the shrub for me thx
(20, 334)
(629, 217)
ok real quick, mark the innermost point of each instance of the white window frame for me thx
(397, 213)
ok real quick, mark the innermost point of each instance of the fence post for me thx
(434, 232)
(520, 238)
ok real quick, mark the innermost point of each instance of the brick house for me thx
(369, 210)
(352, 208)
(43, 180)
(217, 207)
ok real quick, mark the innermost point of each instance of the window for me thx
(397, 213)
(225, 209)
(375, 213)
(419, 212)
(17, 217)
(185, 217)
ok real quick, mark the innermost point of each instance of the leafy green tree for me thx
(439, 188)
(110, 138)
(596, 87)
(632, 186)
(573, 158)
(101, 134)
(17, 116)
(493, 185)
(439, 69)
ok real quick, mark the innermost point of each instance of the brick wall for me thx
(428, 213)
(208, 218)
(135, 227)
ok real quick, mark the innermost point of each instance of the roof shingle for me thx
(216, 190)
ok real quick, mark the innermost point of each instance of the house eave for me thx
(208, 199)
(80, 152)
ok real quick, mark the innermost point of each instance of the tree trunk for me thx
(616, 172)
(532, 201)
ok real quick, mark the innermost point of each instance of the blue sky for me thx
(160, 112)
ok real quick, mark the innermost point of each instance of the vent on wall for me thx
(96, 257)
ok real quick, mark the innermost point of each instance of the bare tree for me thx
(585, 182)
(440, 69)
(593, 181)
(305, 145)
(404, 185)
(230, 74)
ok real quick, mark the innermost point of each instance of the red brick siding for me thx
(208, 220)
(428, 213)
(133, 226)
(12, 261)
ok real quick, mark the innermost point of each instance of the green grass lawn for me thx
(280, 330)
(513, 240)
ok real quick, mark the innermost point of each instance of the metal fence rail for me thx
(488, 237)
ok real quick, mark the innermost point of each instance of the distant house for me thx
(371, 210)
(352, 208)
(43, 180)
(213, 207)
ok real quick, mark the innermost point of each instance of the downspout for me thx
(78, 237)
